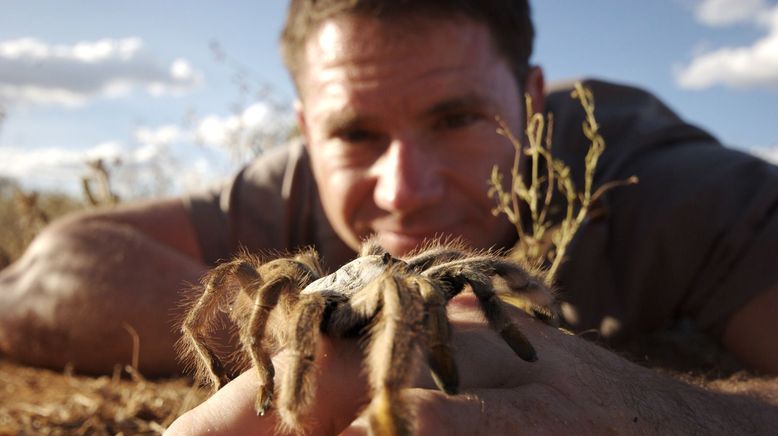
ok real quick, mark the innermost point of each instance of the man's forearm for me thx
(602, 394)
(654, 402)
(80, 292)
(576, 385)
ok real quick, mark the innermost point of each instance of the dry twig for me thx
(546, 242)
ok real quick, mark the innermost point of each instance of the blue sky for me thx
(140, 84)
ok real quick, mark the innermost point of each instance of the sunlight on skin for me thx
(339, 391)
(342, 396)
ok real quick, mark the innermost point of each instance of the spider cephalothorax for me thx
(400, 303)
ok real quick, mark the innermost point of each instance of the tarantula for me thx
(399, 303)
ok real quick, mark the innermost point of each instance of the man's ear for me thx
(299, 114)
(535, 86)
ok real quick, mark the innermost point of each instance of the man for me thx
(397, 107)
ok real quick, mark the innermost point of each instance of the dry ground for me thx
(43, 402)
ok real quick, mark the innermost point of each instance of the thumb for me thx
(340, 394)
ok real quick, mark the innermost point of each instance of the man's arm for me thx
(90, 279)
(751, 332)
(578, 385)
(574, 386)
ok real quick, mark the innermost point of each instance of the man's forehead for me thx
(355, 37)
(362, 31)
(356, 53)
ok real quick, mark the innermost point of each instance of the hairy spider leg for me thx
(440, 355)
(393, 352)
(267, 286)
(534, 295)
(434, 256)
(393, 308)
(194, 343)
(297, 388)
(469, 271)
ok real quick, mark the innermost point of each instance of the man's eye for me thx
(457, 120)
(356, 136)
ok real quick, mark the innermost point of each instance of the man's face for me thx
(401, 132)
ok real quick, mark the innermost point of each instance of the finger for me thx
(229, 410)
(484, 359)
(359, 427)
(340, 395)
(341, 386)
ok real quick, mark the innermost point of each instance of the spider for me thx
(397, 304)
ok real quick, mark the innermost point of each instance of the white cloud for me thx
(769, 153)
(257, 128)
(181, 70)
(727, 12)
(136, 171)
(754, 66)
(51, 168)
(108, 151)
(162, 135)
(36, 72)
(158, 160)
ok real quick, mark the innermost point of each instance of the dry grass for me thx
(23, 214)
(39, 401)
(532, 189)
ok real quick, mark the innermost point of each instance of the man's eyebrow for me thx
(465, 102)
(343, 120)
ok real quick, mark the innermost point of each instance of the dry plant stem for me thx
(100, 174)
(570, 225)
(135, 344)
(539, 194)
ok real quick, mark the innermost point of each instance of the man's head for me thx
(398, 111)
(508, 21)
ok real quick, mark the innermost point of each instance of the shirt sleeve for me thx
(209, 219)
(270, 207)
(250, 211)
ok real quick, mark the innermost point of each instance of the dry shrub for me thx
(24, 214)
(679, 351)
(545, 242)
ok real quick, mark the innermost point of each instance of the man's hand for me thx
(341, 392)
(574, 386)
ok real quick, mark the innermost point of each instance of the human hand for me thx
(573, 385)
(341, 392)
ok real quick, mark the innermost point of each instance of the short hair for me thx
(508, 21)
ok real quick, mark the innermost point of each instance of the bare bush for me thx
(23, 214)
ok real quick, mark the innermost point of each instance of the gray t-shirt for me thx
(694, 239)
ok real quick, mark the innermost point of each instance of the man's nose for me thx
(408, 177)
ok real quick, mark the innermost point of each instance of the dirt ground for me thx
(44, 402)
